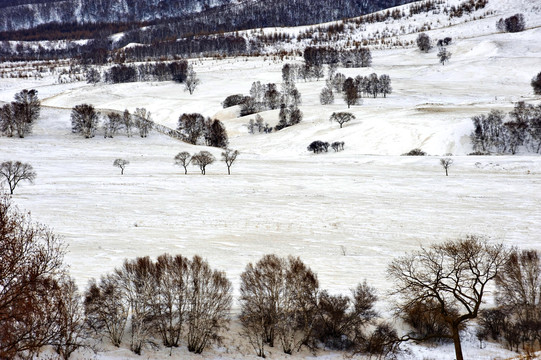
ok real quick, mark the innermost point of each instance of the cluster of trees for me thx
(357, 57)
(282, 305)
(17, 117)
(172, 298)
(492, 133)
(258, 125)
(268, 97)
(204, 158)
(319, 146)
(353, 89)
(159, 71)
(516, 320)
(513, 23)
(85, 120)
(196, 129)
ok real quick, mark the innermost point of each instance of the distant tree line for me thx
(159, 71)
(196, 129)
(85, 121)
(357, 57)
(493, 133)
(512, 24)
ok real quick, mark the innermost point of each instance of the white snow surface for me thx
(346, 214)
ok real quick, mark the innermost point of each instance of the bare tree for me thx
(172, 279)
(446, 163)
(278, 302)
(384, 85)
(26, 109)
(106, 308)
(342, 117)
(229, 156)
(72, 330)
(84, 120)
(143, 121)
(209, 299)
(93, 76)
(351, 95)
(113, 123)
(444, 55)
(192, 81)
(202, 159)
(15, 172)
(423, 42)
(31, 262)
(127, 121)
(343, 320)
(536, 84)
(519, 284)
(137, 279)
(452, 277)
(183, 159)
(326, 97)
(121, 163)
(7, 120)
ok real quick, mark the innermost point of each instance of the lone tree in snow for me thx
(192, 81)
(326, 97)
(423, 42)
(121, 163)
(446, 163)
(351, 93)
(202, 159)
(342, 117)
(183, 159)
(448, 279)
(15, 172)
(536, 84)
(229, 156)
(84, 120)
(444, 55)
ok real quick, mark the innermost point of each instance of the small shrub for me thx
(415, 152)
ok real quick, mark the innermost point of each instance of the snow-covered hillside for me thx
(346, 214)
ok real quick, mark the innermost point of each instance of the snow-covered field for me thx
(346, 214)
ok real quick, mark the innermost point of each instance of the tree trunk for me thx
(229, 170)
(446, 173)
(456, 341)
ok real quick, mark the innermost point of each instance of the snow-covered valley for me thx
(346, 214)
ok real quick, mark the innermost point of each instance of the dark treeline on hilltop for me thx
(180, 17)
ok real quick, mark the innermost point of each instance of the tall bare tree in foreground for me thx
(15, 172)
(449, 279)
(31, 259)
(209, 302)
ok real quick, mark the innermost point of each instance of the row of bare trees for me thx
(85, 120)
(204, 158)
(172, 298)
